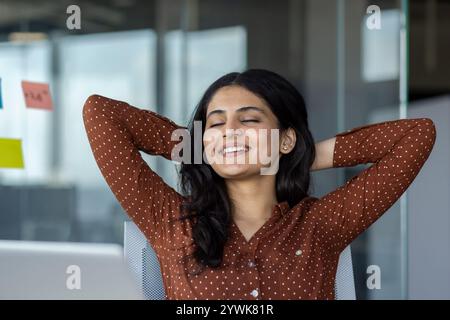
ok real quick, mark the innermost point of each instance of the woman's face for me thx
(240, 132)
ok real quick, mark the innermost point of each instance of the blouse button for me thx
(254, 293)
(298, 252)
(251, 264)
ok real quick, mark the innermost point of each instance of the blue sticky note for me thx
(1, 103)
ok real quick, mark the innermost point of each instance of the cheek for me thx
(208, 151)
(211, 140)
(211, 137)
(267, 140)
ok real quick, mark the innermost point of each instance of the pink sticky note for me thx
(37, 95)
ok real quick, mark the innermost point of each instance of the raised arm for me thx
(116, 132)
(398, 149)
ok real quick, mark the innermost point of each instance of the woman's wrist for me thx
(324, 154)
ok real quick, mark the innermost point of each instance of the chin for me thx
(236, 171)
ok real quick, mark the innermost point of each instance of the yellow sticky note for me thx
(11, 153)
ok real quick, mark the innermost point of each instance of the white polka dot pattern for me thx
(294, 255)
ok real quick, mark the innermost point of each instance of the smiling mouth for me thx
(233, 151)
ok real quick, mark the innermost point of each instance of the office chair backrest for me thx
(145, 267)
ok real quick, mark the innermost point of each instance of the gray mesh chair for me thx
(145, 268)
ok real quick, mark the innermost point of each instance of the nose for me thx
(231, 129)
(229, 133)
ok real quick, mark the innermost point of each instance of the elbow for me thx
(89, 105)
(427, 132)
(430, 129)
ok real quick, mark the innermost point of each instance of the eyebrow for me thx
(240, 110)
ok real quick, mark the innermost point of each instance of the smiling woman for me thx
(256, 129)
(253, 101)
(234, 233)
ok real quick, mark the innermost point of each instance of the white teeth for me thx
(233, 149)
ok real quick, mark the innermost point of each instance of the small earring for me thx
(285, 147)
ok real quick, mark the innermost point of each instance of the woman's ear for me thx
(287, 141)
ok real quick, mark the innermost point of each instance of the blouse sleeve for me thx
(117, 132)
(398, 149)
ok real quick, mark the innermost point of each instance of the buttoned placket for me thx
(251, 263)
(252, 270)
(249, 260)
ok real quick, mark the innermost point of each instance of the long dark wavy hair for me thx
(209, 204)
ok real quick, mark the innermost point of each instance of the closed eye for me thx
(250, 120)
(221, 123)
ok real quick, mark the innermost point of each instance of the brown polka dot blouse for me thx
(295, 254)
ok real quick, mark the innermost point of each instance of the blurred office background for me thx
(162, 54)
